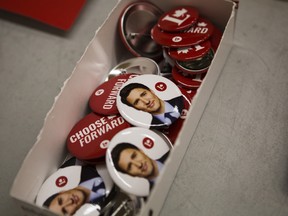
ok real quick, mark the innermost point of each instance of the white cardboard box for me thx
(103, 53)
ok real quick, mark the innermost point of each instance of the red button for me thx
(189, 53)
(178, 19)
(194, 35)
(89, 138)
(187, 81)
(180, 65)
(103, 99)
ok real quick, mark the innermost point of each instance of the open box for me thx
(104, 52)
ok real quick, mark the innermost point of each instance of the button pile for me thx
(141, 105)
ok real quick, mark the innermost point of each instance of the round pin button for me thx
(137, 65)
(150, 101)
(178, 19)
(82, 185)
(135, 158)
(135, 24)
(187, 81)
(103, 99)
(191, 52)
(89, 138)
(198, 33)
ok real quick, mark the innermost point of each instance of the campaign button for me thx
(189, 81)
(150, 101)
(135, 159)
(83, 187)
(90, 137)
(198, 33)
(191, 52)
(103, 99)
(178, 19)
(137, 65)
(135, 25)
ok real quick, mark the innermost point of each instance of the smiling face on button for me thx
(68, 202)
(135, 163)
(145, 100)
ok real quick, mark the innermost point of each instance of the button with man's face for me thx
(150, 101)
(135, 158)
(72, 190)
(178, 19)
(89, 138)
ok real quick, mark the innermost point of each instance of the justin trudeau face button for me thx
(150, 101)
(197, 34)
(178, 19)
(135, 158)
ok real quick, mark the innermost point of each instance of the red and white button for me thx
(178, 19)
(89, 138)
(194, 35)
(135, 158)
(150, 101)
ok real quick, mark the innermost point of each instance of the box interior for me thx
(103, 52)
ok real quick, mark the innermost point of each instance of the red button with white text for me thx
(194, 35)
(103, 99)
(90, 137)
(178, 19)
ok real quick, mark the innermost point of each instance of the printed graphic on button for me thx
(88, 138)
(103, 99)
(191, 52)
(194, 35)
(133, 164)
(178, 19)
(150, 101)
(82, 185)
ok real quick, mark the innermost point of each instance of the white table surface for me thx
(237, 163)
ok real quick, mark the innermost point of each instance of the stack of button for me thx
(89, 138)
(189, 41)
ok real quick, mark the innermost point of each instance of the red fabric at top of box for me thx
(58, 13)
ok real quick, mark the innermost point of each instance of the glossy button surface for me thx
(135, 159)
(194, 35)
(73, 183)
(178, 19)
(150, 101)
(191, 52)
(89, 138)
